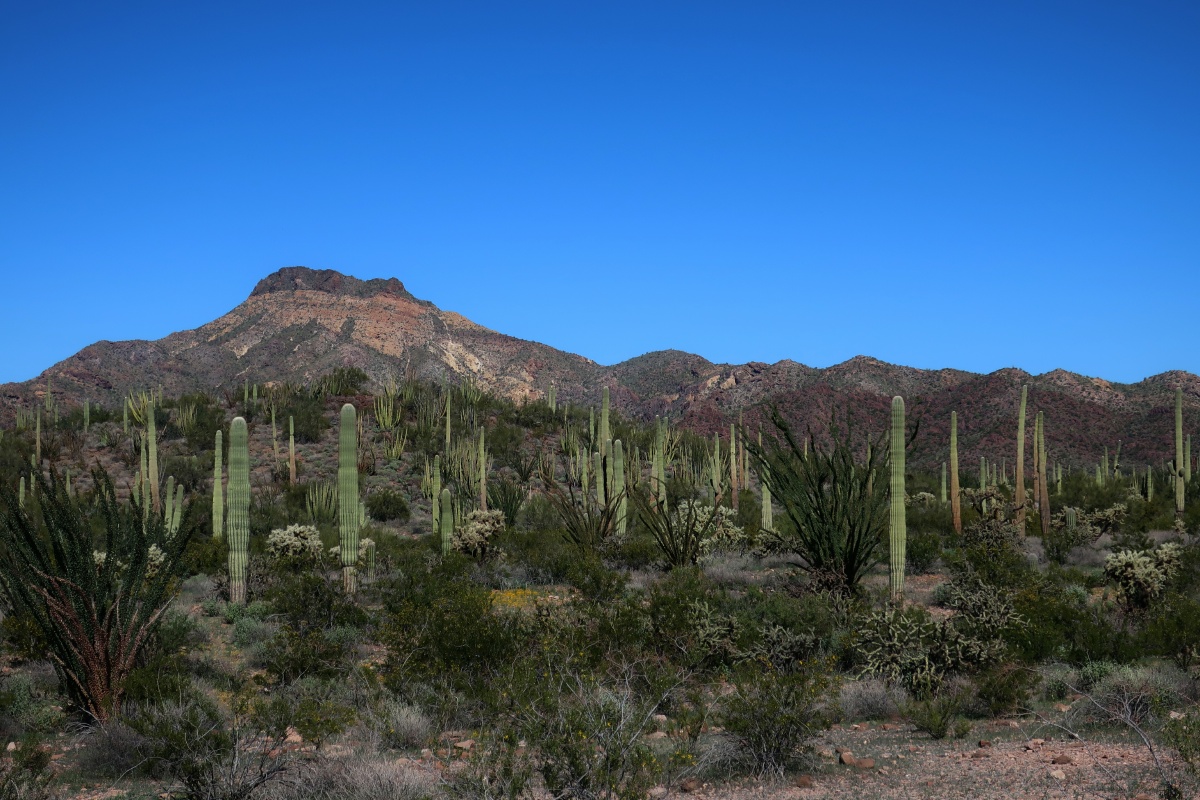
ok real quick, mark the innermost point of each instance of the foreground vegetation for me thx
(530, 598)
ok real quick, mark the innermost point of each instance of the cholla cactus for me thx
(295, 541)
(475, 536)
(724, 536)
(1140, 576)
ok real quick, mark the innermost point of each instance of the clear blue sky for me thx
(965, 184)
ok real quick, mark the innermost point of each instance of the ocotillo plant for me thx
(239, 509)
(955, 499)
(1178, 466)
(1019, 492)
(446, 522)
(898, 527)
(348, 497)
(218, 503)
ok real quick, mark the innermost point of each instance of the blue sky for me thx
(937, 184)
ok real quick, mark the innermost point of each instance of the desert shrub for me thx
(28, 775)
(1069, 528)
(248, 631)
(354, 779)
(498, 769)
(387, 505)
(308, 417)
(1129, 694)
(1060, 625)
(342, 382)
(923, 549)
(209, 755)
(772, 714)
(1181, 731)
(1173, 630)
(1006, 688)
(396, 724)
(869, 698)
(33, 708)
(991, 550)
(508, 496)
(938, 716)
(113, 750)
(191, 472)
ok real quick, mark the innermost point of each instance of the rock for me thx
(716, 729)
(655, 735)
(426, 753)
(1062, 708)
(984, 743)
(1036, 743)
(660, 719)
(981, 753)
(846, 757)
(13, 745)
(1058, 774)
(825, 753)
(1176, 714)
(293, 736)
(689, 784)
(1062, 759)
(889, 726)
(658, 791)
(804, 782)
(865, 763)
(465, 745)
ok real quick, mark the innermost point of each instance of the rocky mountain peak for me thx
(291, 279)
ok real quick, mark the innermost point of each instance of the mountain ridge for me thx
(299, 323)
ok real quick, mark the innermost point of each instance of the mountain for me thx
(301, 323)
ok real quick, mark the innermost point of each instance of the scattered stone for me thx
(426, 753)
(889, 726)
(1176, 714)
(985, 743)
(981, 753)
(660, 719)
(293, 736)
(658, 791)
(804, 782)
(1058, 774)
(912, 748)
(864, 763)
(656, 735)
(1062, 759)
(465, 744)
(1062, 708)
(11, 747)
(846, 757)
(690, 784)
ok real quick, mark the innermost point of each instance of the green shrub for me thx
(1006, 688)
(387, 505)
(938, 716)
(922, 551)
(772, 714)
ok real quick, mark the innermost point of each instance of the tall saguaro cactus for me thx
(1180, 486)
(482, 472)
(446, 521)
(239, 509)
(291, 450)
(619, 485)
(152, 475)
(1019, 493)
(605, 432)
(218, 504)
(898, 523)
(955, 498)
(436, 495)
(1043, 481)
(348, 497)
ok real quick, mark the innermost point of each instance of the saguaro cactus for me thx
(619, 484)
(733, 466)
(605, 432)
(152, 465)
(239, 509)
(1019, 492)
(1180, 486)
(955, 499)
(446, 521)
(482, 472)
(291, 450)
(1043, 486)
(348, 497)
(768, 513)
(218, 504)
(898, 523)
(436, 496)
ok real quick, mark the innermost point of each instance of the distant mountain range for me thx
(300, 323)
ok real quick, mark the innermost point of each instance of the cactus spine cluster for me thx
(955, 499)
(348, 497)
(1178, 466)
(239, 509)
(218, 504)
(898, 523)
(1019, 495)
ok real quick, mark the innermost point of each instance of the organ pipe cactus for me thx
(218, 503)
(348, 497)
(1178, 466)
(898, 523)
(955, 499)
(238, 527)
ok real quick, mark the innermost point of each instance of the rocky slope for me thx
(300, 323)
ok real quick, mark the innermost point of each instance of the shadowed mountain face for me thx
(300, 323)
